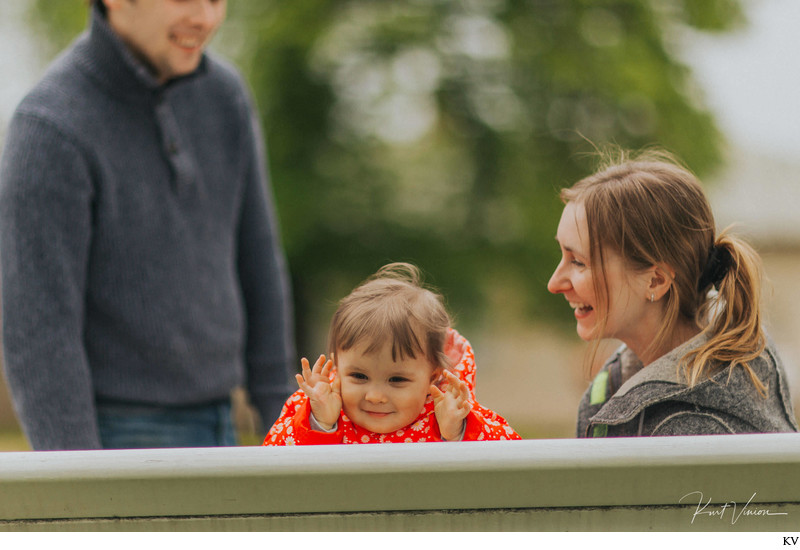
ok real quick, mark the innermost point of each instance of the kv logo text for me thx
(790, 541)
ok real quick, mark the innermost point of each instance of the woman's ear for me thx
(660, 278)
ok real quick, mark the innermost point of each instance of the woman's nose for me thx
(558, 283)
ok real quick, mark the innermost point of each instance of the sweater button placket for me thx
(168, 129)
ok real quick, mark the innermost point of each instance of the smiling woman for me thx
(641, 263)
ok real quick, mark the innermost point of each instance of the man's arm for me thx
(45, 232)
(270, 351)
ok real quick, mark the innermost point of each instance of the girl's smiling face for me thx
(575, 277)
(379, 394)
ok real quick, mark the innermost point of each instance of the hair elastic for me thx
(717, 266)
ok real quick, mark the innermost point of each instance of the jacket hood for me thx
(730, 391)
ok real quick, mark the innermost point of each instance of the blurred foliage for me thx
(439, 131)
(57, 22)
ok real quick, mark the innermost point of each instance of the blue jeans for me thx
(128, 426)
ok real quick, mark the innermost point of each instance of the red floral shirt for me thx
(293, 426)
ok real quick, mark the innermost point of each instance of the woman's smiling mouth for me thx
(581, 309)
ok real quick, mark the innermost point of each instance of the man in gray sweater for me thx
(142, 274)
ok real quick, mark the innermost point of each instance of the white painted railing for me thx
(748, 482)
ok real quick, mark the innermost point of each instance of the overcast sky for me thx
(752, 77)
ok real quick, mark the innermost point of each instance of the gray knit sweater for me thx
(140, 256)
(656, 399)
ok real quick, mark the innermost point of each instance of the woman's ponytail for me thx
(731, 311)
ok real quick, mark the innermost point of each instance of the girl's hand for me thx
(324, 396)
(451, 406)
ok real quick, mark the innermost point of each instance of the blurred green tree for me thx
(439, 131)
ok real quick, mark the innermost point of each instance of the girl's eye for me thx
(358, 376)
(576, 263)
(397, 379)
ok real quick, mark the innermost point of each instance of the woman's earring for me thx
(652, 297)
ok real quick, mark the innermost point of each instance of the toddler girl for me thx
(397, 373)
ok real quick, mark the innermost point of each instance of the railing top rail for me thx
(357, 478)
(473, 456)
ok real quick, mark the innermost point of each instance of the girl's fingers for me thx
(456, 386)
(318, 365)
(457, 390)
(302, 384)
(306, 370)
(451, 380)
(326, 370)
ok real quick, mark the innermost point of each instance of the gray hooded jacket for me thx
(656, 400)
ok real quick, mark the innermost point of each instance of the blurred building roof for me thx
(760, 195)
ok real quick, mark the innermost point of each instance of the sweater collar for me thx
(110, 61)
